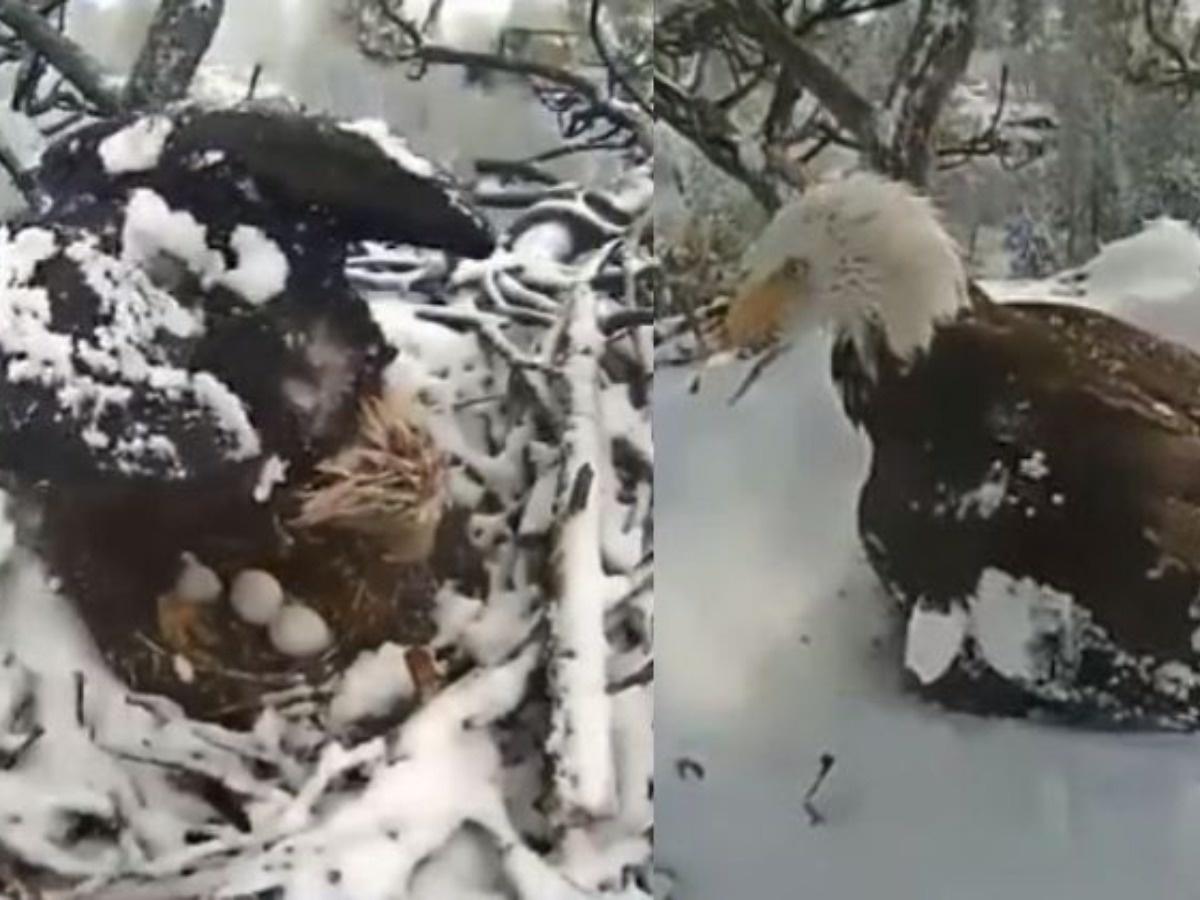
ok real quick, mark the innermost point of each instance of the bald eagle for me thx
(1033, 498)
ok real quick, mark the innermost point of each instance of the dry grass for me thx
(388, 484)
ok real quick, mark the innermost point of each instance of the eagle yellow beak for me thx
(758, 315)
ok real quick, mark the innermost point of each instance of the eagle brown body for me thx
(1089, 432)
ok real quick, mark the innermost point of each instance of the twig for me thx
(757, 370)
(814, 815)
(439, 55)
(12, 759)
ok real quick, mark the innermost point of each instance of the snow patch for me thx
(395, 148)
(152, 228)
(184, 670)
(374, 684)
(933, 641)
(261, 272)
(136, 147)
(1034, 466)
(273, 472)
(1013, 621)
(986, 499)
(1176, 679)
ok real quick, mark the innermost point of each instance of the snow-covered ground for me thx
(776, 646)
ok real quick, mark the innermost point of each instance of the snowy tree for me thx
(752, 88)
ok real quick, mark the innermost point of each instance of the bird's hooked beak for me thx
(767, 306)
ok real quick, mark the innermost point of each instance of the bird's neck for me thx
(893, 303)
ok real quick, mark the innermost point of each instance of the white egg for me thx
(256, 596)
(197, 582)
(299, 631)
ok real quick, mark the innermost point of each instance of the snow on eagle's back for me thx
(261, 272)
(395, 148)
(136, 147)
(849, 251)
(134, 315)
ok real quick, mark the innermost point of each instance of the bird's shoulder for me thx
(1073, 358)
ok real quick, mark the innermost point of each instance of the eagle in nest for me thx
(193, 404)
(1033, 499)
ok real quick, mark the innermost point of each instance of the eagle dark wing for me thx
(96, 371)
(1051, 452)
(305, 180)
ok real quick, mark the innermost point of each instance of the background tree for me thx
(757, 87)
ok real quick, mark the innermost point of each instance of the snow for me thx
(373, 685)
(1157, 264)
(184, 670)
(197, 583)
(1034, 466)
(261, 272)
(136, 147)
(933, 640)
(986, 499)
(127, 345)
(23, 137)
(1151, 279)
(256, 596)
(1009, 618)
(298, 630)
(152, 227)
(583, 722)
(392, 146)
(274, 472)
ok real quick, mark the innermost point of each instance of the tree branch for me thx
(936, 57)
(613, 66)
(179, 36)
(848, 107)
(75, 63)
(832, 12)
(620, 114)
(711, 132)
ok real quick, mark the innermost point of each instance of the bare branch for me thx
(432, 54)
(849, 108)
(832, 12)
(75, 63)
(613, 66)
(936, 57)
(711, 132)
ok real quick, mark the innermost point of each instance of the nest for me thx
(367, 543)
(388, 484)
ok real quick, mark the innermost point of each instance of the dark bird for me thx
(1033, 501)
(190, 388)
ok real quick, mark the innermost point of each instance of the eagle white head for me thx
(850, 252)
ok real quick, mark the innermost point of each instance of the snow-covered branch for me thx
(581, 726)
